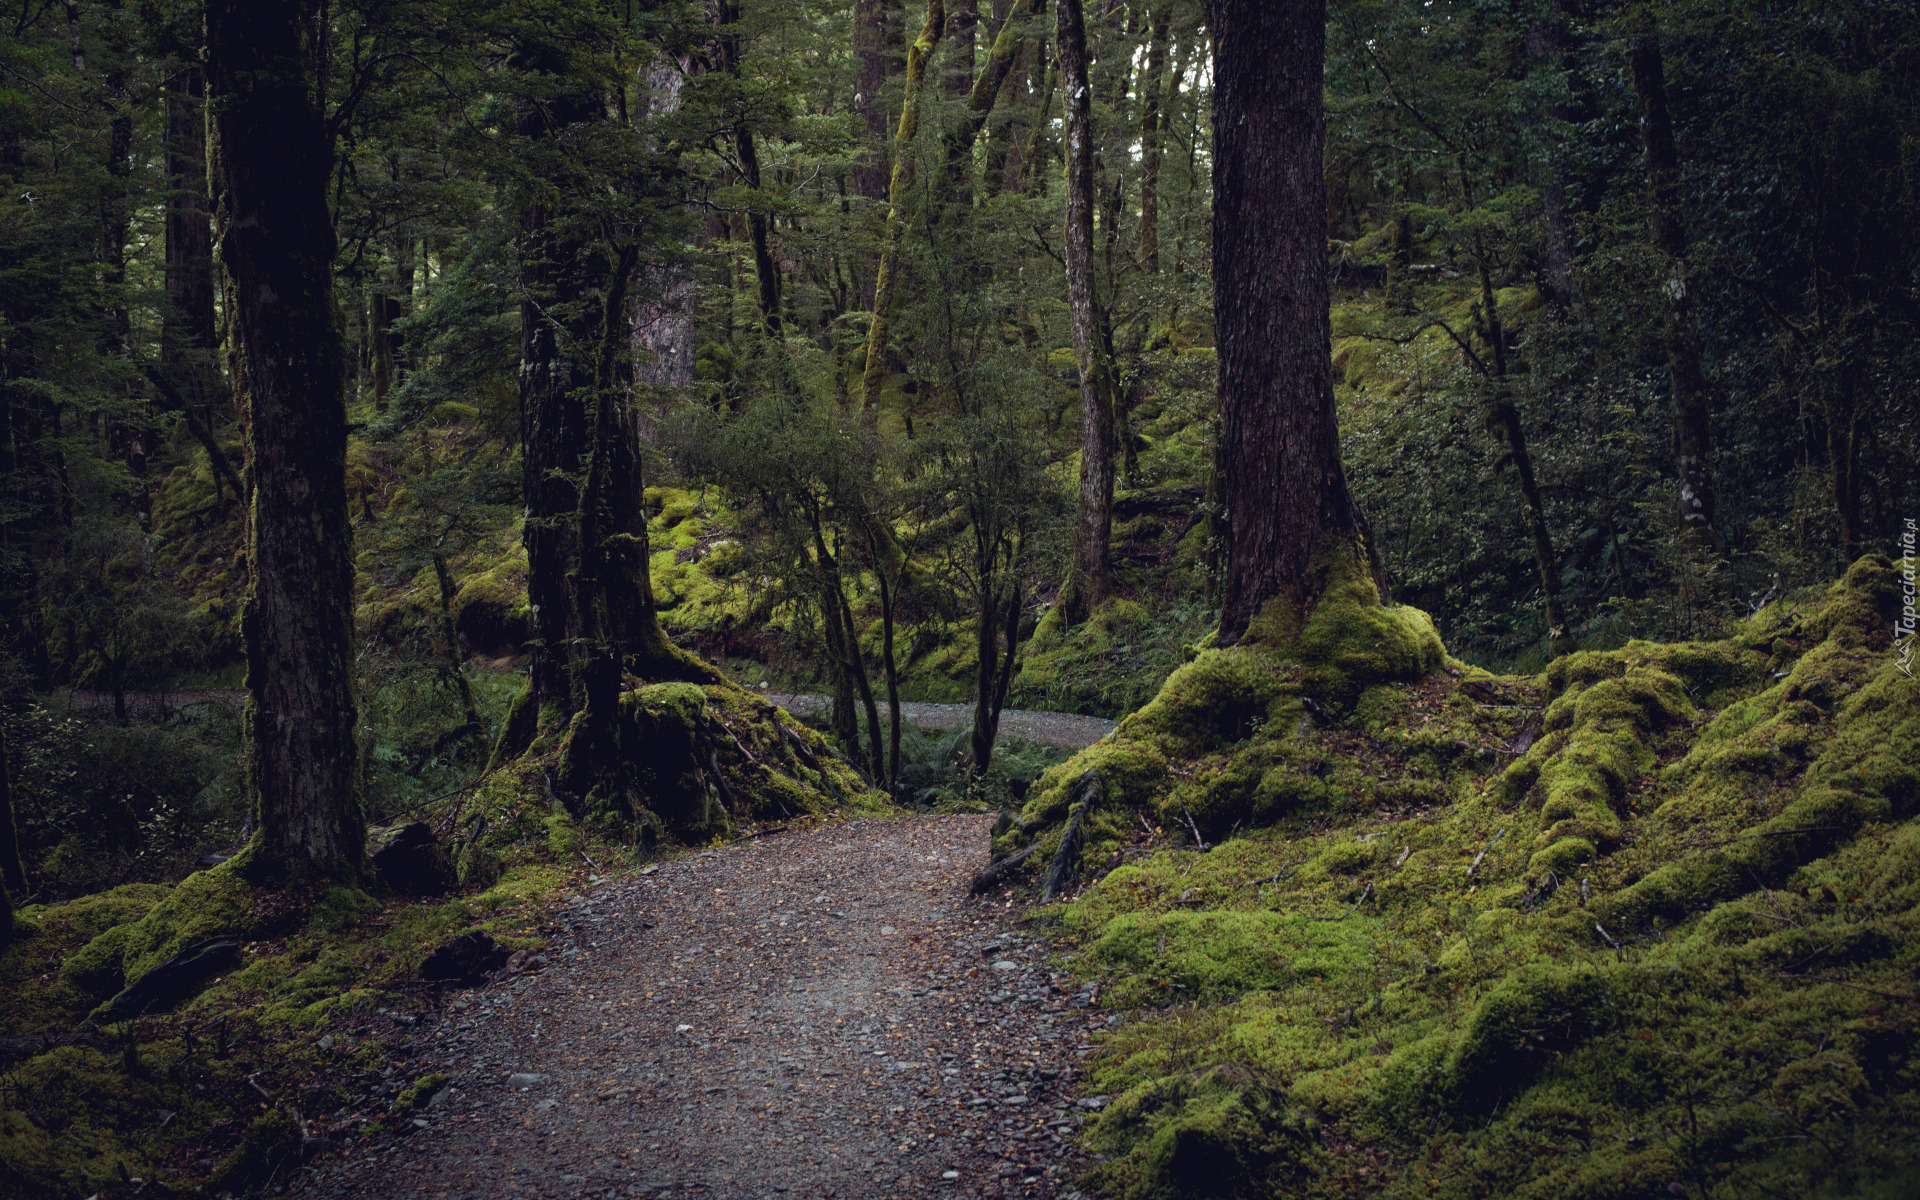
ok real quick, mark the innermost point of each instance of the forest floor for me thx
(825, 1013)
(1071, 730)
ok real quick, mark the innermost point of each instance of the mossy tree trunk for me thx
(886, 278)
(277, 245)
(985, 92)
(557, 324)
(1092, 580)
(1692, 402)
(1282, 489)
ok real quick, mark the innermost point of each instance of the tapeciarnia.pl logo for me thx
(1903, 626)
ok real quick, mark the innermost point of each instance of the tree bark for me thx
(766, 272)
(1032, 177)
(876, 47)
(877, 546)
(1692, 402)
(1151, 123)
(1282, 486)
(1092, 580)
(277, 246)
(963, 24)
(187, 324)
(556, 373)
(985, 92)
(13, 874)
(1503, 421)
(450, 641)
(665, 339)
(874, 373)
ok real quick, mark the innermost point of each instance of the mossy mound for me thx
(1643, 925)
(1222, 745)
(694, 762)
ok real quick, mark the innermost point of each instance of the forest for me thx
(1387, 526)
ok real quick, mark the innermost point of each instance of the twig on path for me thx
(990, 878)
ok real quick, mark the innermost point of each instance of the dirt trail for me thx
(823, 1013)
(1072, 730)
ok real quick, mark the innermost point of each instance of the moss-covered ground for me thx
(1378, 923)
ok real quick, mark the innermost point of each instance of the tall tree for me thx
(1152, 124)
(1692, 403)
(277, 245)
(1284, 491)
(556, 328)
(886, 279)
(1092, 578)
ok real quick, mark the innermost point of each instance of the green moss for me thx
(269, 1151)
(1671, 943)
(421, 1090)
(216, 901)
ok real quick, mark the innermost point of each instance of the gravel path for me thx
(1049, 728)
(825, 1013)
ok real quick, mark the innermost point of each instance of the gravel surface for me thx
(1049, 728)
(822, 1013)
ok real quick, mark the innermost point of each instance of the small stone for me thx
(420, 1122)
(1005, 965)
(524, 1080)
(683, 1029)
(544, 1105)
(326, 1042)
(887, 929)
(949, 1174)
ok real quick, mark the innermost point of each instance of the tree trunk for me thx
(1092, 580)
(875, 46)
(1150, 126)
(278, 245)
(13, 875)
(1034, 171)
(877, 30)
(766, 272)
(1503, 420)
(556, 374)
(877, 547)
(186, 326)
(963, 23)
(450, 641)
(189, 377)
(1692, 403)
(875, 372)
(1281, 483)
(665, 339)
(984, 93)
(994, 670)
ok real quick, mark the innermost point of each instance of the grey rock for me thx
(524, 1080)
